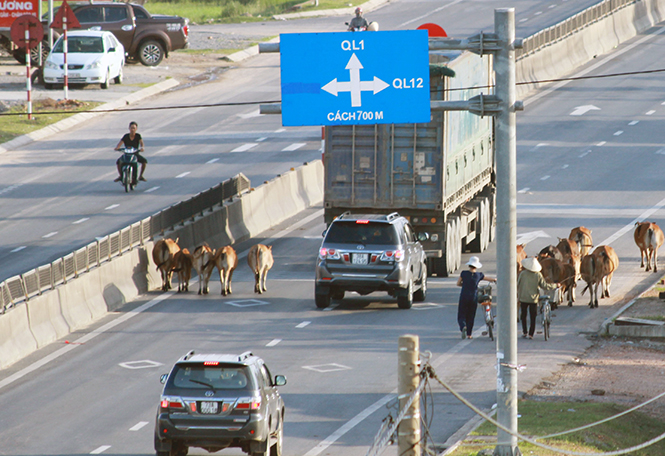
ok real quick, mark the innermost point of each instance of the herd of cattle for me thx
(572, 259)
(170, 258)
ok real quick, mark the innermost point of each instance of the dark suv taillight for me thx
(248, 403)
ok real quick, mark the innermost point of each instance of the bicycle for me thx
(545, 311)
(484, 298)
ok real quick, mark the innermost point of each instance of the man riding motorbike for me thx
(358, 22)
(131, 140)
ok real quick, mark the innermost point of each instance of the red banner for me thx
(12, 9)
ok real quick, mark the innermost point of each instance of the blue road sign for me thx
(353, 78)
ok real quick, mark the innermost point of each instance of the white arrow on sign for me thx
(355, 85)
(525, 238)
(581, 110)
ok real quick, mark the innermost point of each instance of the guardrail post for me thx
(408, 377)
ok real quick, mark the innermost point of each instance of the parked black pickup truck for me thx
(146, 38)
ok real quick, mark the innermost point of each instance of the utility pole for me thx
(408, 379)
(505, 131)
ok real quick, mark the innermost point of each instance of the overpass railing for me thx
(569, 26)
(22, 287)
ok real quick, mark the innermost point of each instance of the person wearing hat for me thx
(529, 283)
(468, 280)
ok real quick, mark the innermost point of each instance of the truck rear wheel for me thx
(150, 53)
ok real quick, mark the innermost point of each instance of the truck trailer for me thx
(440, 175)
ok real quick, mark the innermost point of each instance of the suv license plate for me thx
(209, 408)
(359, 258)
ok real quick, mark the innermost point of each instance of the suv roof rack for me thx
(245, 355)
(188, 355)
(343, 214)
(392, 216)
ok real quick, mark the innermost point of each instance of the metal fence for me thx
(571, 25)
(23, 287)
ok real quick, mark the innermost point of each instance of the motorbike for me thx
(372, 27)
(129, 169)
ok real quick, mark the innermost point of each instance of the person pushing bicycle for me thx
(529, 283)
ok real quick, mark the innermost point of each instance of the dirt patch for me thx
(619, 370)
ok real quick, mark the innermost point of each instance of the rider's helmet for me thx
(359, 11)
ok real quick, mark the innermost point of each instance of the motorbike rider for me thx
(358, 22)
(131, 140)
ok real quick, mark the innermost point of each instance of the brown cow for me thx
(226, 261)
(568, 250)
(260, 261)
(550, 252)
(162, 255)
(521, 254)
(204, 265)
(648, 237)
(182, 265)
(599, 267)
(555, 271)
(582, 237)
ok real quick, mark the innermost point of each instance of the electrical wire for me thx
(250, 103)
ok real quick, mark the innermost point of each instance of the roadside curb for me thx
(367, 6)
(82, 117)
(246, 53)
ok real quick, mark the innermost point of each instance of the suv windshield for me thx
(200, 376)
(353, 232)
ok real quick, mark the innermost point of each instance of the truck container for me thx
(440, 175)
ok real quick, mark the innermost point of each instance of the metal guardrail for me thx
(571, 25)
(22, 287)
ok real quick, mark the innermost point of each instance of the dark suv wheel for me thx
(322, 298)
(421, 294)
(405, 297)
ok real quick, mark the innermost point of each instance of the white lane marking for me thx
(142, 364)
(51, 234)
(524, 20)
(648, 113)
(303, 324)
(255, 113)
(617, 133)
(544, 178)
(294, 146)
(602, 143)
(82, 340)
(634, 122)
(18, 249)
(112, 206)
(262, 139)
(584, 154)
(280, 130)
(245, 147)
(661, 151)
(538, 146)
(138, 425)
(353, 422)
(430, 13)
(552, 6)
(273, 342)
(212, 161)
(581, 110)
(325, 368)
(150, 190)
(538, 13)
(101, 449)
(524, 190)
(525, 238)
(85, 219)
(631, 225)
(10, 188)
(564, 166)
(181, 175)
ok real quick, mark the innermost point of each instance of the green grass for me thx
(543, 418)
(12, 126)
(238, 11)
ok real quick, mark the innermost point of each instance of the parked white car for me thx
(93, 57)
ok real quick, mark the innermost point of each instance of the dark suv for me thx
(220, 401)
(367, 253)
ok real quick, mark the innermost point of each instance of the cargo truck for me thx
(440, 175)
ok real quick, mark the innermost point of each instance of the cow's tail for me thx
(591, 274)
(258, 258)
(163, 255)
(651, 238)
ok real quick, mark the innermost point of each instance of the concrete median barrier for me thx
(16, 339)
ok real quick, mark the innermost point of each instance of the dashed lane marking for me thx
(112, 206)
(181, 175)
(51, 234)
(544, 178)
(634, 122)
(303, 324)
(524, 190)
(150, 190)
(101, 449)
(85, 219)
(18, 249)
(273, 342)
(245, 147)
(648, 113)
(209, 162)
(618, 133)
(602, 143)
(138, 426)
(292, 147)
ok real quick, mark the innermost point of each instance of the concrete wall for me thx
(563, 57)
(82, 301)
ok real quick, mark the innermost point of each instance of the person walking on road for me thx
(468, 302)
(529, 283)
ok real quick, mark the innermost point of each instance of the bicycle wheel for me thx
(490, 330)
(546, 322)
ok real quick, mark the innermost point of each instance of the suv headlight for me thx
(51, 65)
(96, 64)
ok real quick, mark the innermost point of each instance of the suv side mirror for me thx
(280, 380)
(423, 236)
(324, 233)
(163, 378)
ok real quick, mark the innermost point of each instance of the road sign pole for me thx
(408, 379)
(64, 52)
(505, 130)
(28, 83)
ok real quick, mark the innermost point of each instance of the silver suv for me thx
(367, 253)
(214, 402)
